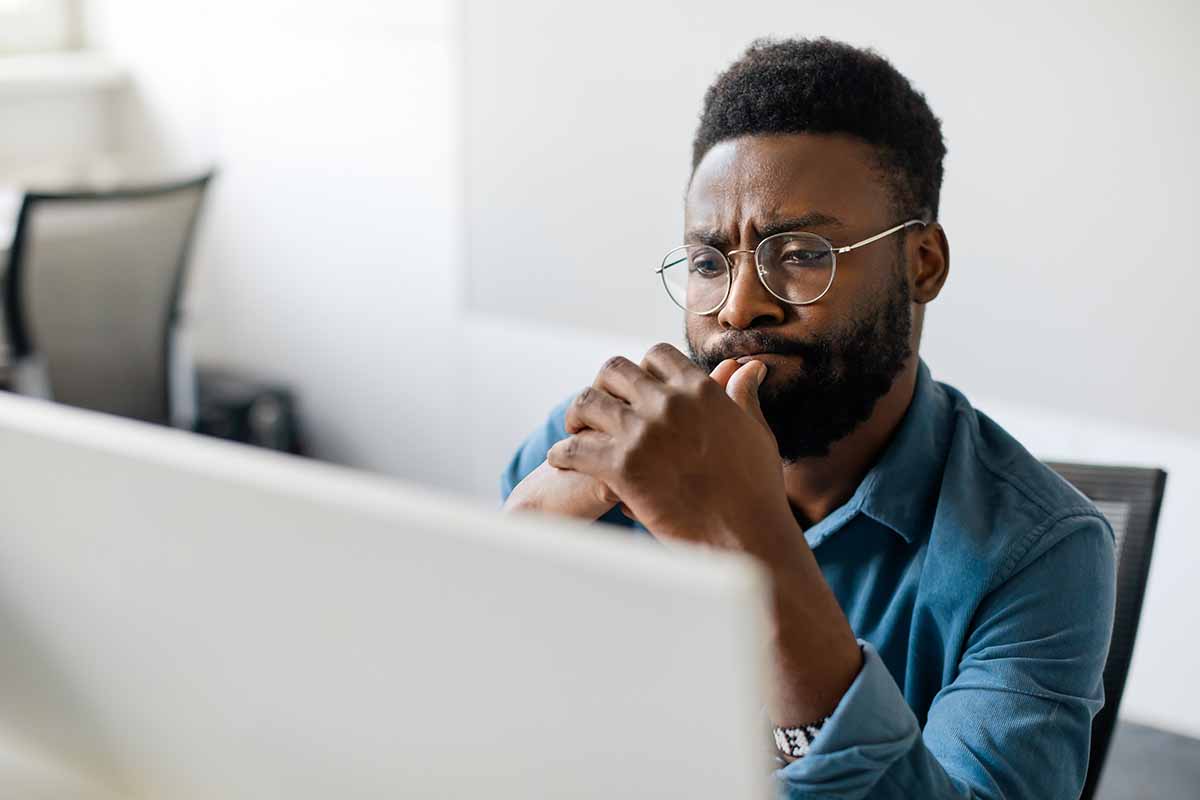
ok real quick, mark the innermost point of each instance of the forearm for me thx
(815, 655)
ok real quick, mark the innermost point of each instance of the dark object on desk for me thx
(1146, 763)
(92, 299)
(239, 409)
(1131, 498)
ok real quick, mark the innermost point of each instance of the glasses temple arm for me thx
(659, 271)
(878, 236)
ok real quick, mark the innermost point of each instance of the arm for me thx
(548, 490)
(1016, 720)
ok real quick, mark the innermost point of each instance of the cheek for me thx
(859, 284)
(697, 330)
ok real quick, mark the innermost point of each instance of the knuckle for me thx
(585, 397)
(615, 363)
(660, 348)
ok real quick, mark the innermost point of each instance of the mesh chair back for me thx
(1130, 497)
(93, 293)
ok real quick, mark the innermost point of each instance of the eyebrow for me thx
(813, 219)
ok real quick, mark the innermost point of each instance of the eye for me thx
(707, 267)
(804, 257)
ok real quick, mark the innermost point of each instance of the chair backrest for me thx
(92, 293)
(1130, 497)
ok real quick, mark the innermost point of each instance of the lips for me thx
(745, 347)
(764, 357)
(746, 359)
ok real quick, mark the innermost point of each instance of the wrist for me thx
(552, 491)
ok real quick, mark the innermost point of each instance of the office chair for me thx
(92, 299)
(1130, 497)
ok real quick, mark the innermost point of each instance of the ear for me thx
(929, 266)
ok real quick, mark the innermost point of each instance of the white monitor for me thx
(186, 618)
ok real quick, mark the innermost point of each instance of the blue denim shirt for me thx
(981, 588)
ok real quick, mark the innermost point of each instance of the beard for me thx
(843, 376)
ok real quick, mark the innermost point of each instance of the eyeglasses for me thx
(796, 267)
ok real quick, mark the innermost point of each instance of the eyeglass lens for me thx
(796, 268)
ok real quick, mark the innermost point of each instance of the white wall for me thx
(54, 128)
(336, 244)
(329, 255)
(1072, 180)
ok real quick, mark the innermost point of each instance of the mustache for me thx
(734, 344)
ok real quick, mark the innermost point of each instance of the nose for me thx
(750, 304)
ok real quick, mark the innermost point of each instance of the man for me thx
(942, 601)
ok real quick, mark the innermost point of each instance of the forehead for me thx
(752, 180)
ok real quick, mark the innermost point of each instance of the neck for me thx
(818, 486)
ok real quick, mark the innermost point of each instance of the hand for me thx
(690, 455)
(557, 491)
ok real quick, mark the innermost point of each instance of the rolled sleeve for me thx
(871, 728)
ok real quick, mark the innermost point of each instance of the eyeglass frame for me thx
(833, 251)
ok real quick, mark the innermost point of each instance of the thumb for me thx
(743, 389)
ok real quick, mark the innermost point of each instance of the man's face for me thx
(829, 362)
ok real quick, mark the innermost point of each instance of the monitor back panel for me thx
(184, 618)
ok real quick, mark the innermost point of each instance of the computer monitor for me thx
(188, 618)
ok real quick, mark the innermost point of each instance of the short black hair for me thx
(783, 86)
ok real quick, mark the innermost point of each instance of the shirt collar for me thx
(901, 490)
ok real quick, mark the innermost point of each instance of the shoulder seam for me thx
(1053, 516)
(1027, 491)
(1026, 542)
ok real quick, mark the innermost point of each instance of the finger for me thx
(666, 363)
(625, 380)
(598, 410)
(743, 387)
(724, 371)
(587, 452)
